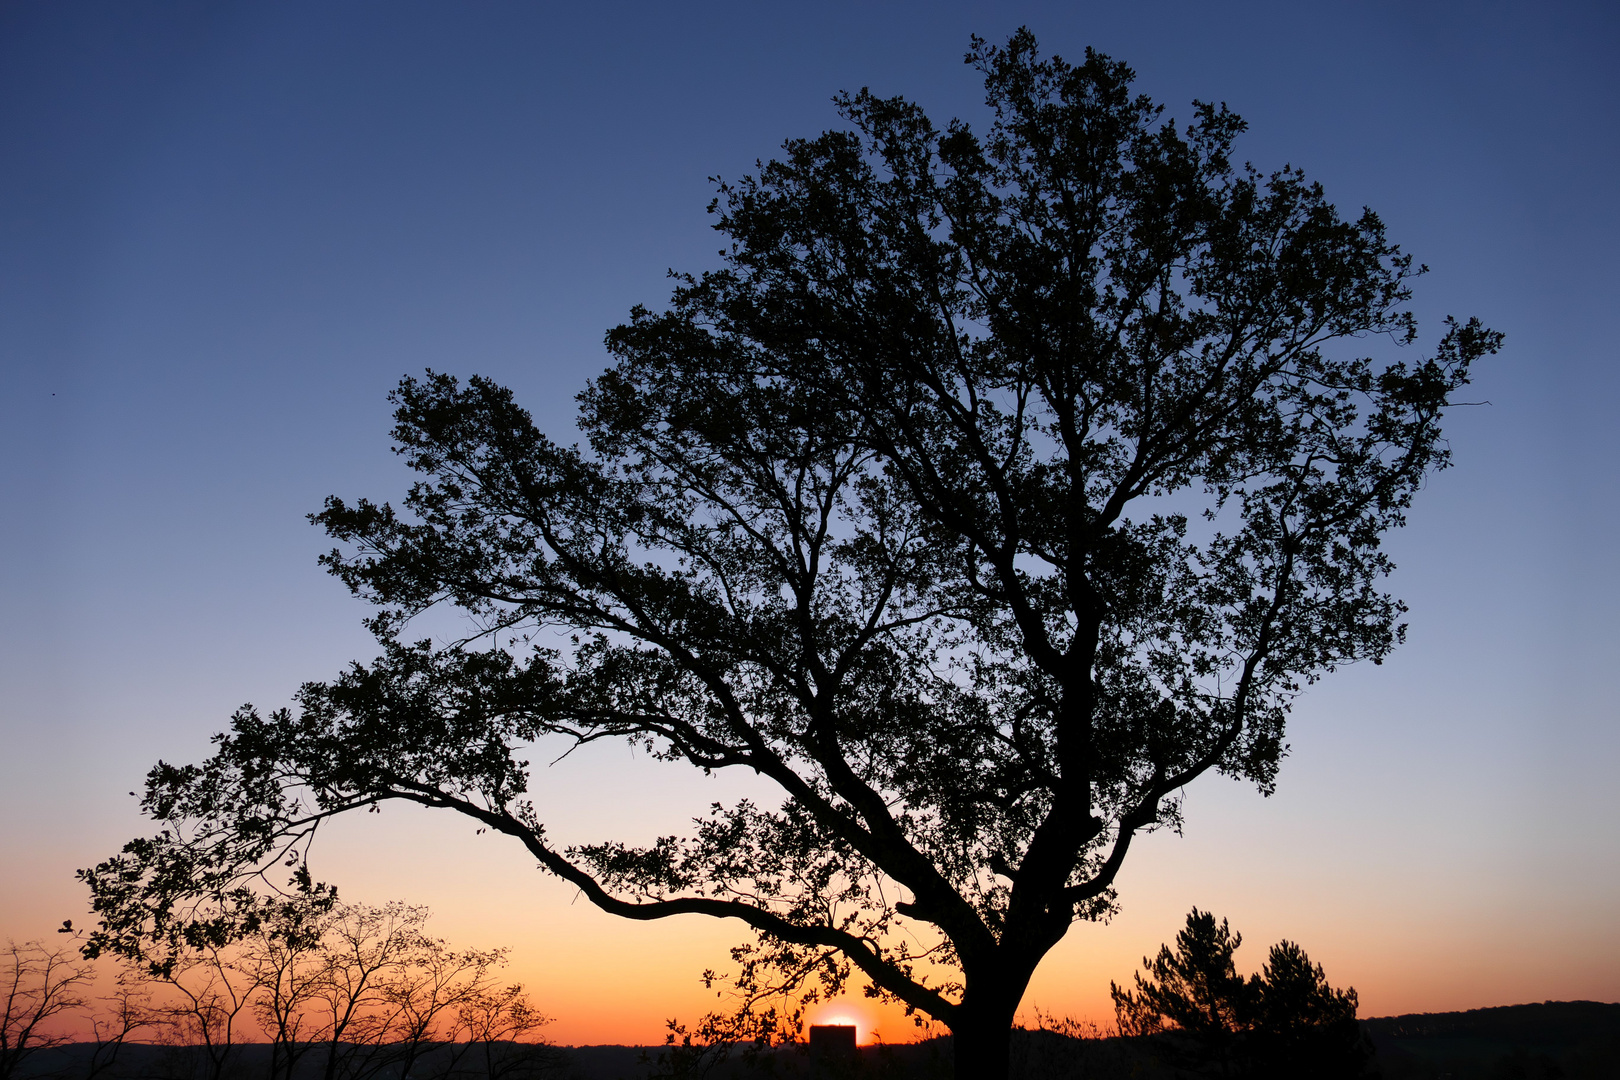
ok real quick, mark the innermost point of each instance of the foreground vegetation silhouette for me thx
(998, 486)
(362, 993)
(1199, 1016)
(278, 990)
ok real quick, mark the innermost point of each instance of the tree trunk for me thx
(981, 1044)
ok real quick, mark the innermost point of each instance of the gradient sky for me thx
(227, 229)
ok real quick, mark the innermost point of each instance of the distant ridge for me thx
(1574, 1040)
(1548, 1023)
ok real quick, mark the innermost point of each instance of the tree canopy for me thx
(995, 487)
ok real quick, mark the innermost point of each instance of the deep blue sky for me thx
(227, 229)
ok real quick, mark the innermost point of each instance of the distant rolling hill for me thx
(1570, 1040)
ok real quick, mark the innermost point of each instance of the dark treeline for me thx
(1570, 1040)
(1567, 1040)
(256, 1061)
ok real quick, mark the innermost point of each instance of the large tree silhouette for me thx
(998, 486)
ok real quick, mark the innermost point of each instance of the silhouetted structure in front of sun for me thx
(832, 1050)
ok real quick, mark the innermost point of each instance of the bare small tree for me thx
(364, 949)
(501, 1027)
(127, 1010)
(209, 993)
(361, 988)
(40, 984)
(287, 948)
(431, 996)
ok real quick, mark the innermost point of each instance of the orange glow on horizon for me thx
(1413, 944)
